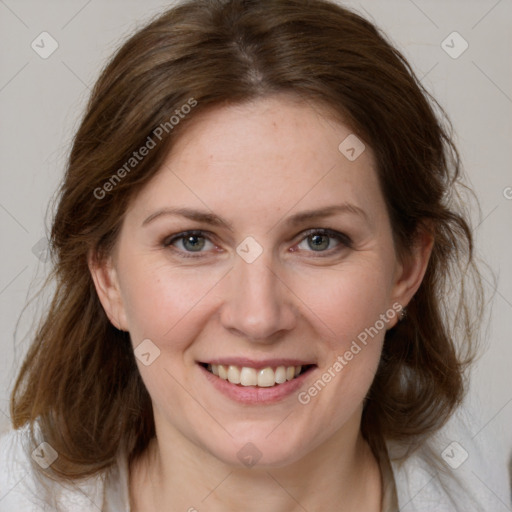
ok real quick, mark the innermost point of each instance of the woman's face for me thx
(291, 263)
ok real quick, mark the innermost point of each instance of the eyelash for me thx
(344, 241)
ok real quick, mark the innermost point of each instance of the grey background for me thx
(41, 101)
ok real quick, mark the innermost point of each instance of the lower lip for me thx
(253, 394)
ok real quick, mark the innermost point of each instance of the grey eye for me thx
(318, 242)
(193, 242)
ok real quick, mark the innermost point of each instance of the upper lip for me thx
(262, 363)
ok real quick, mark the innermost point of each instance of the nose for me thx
(259, 305)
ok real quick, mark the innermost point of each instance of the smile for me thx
(262, 377)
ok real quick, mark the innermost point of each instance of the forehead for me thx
(272, 154)
(274, 127)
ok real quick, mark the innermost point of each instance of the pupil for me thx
(196, 242)
(317, 242)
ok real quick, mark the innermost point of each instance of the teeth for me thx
(280, 374)
(264, 378)
(234, 375)
(223, 371)
(248, 377)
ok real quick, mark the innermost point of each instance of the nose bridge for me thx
(258, 305)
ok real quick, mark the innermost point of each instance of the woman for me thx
(253, 247)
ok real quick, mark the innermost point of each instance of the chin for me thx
(259, 451)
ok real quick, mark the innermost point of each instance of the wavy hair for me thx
(79, 379)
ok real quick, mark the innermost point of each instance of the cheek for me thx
(346, 303)
(350, 312)
(346, 314)
(162, 299)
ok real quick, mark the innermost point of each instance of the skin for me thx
(256, 165)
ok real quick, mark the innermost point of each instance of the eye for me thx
(321, 240)
(189, 242)
(318, 240)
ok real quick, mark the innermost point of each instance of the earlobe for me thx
(411, 271)
(106, 282)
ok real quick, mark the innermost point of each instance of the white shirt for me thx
(477, 483)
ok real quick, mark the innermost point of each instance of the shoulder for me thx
(24, 487)
(453, 471)
(17, 487)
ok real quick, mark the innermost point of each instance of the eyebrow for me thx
(299, 218)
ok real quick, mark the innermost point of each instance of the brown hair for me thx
(79, 379)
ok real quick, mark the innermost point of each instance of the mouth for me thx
(269, 376)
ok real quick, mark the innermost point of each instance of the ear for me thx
(411, 269)
(106, 282)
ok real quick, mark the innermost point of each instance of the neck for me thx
(340, 471)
